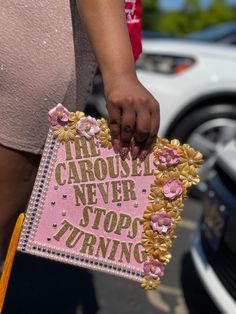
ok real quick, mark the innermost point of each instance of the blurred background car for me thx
(214, 248)
(224, 33)
(195, 84)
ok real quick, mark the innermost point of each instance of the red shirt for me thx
(133, 12)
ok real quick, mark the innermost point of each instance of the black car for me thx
(214, 247)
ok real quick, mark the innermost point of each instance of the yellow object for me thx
(9, 260)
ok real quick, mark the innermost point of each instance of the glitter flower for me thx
(153, 268)
(189, 156)
(189, 176)
(169, 157)
(64, 133)
(58, 116)
(74, 118)
(148, 283)
(172, 188)
(161, 222)
(87, 127)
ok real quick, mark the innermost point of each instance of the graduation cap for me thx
(90, 208)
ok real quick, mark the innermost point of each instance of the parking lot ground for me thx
(39, 286)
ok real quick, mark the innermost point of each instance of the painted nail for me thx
(143, 155)
(134, 152)
(124, 152)
(116, 146)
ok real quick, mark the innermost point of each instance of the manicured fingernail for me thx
(116, 146)
(124, 152)
(134, 152)
(143, 155)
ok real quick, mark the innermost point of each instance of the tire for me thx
(214, 118)
(195, 118)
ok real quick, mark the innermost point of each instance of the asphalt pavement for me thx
(39, 286)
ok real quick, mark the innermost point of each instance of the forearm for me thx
(106, 27)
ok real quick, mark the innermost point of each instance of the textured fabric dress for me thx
(45, 59)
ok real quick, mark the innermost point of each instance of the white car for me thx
(195, 84)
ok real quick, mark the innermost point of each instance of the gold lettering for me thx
(124, 223)
(129, 190)
(98, 211)
(136, 168)
(93, 147)
(66, 226)
(125, 251)
(116, 188)
(74, 237)
(139, 259)
(81, 148)
(113, 174)
(86, 168)
(132, 234)
(88, 244)
(103, 247)
(80, 195)
(73, 174)
(91, 193)
(114, 248)
(147, 170)
(125, 166)
(104, 192)
(85, 220)
(110, 221)
(100, 168)
(68, 151)
(58, 173)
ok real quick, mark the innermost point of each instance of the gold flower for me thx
(157, 245)
(64, 133)
(148, 213)
(160, 144)
(164, 172)
(103, 124)
(149, 283)
(174, 208)
(104, 137)
(189, 156)
(188, 175)
(74, 118)
(175, 143)
(154, 197)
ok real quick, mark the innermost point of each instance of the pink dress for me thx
(45, 58)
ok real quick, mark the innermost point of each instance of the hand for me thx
(133, 114)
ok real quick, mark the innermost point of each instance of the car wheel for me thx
(207, 129)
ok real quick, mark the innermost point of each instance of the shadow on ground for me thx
(40, 286)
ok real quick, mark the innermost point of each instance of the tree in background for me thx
(190, 18)
(151, 14)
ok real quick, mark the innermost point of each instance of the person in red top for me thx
(133, 12)
(46, 59)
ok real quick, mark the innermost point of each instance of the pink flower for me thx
(169, 156)
(161, 222)
(153, 268)
(87, 127)
(172, 188)
(58, 115)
